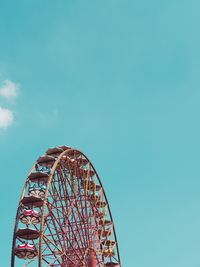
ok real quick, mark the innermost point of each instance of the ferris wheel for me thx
(63, 217)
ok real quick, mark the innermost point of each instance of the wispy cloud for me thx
(9, 89)
(6, 117)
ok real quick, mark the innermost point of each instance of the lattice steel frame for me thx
(76, 226)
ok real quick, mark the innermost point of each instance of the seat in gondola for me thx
(108, 252)
(94, 198)
(85, 173)
(37, 190)
(94, 187)
(30, 217)
(104, 232)
(108, 243)
(99, 214)
(82, 161)
(26, 251)
(90, 185)
(101, 204)
(105, 222)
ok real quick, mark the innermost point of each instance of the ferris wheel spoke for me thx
(85, 215)
(70, 226)
(65, 190)
(53, 222)
(81, 221)
(58, 194)
(74, 237)
(63, 184)
(55, 260)
(61, 190)
(76, 224)
(46, 237)
(78, 216)
(30, 261)
(56, 232)
(90, 226)
(55, 218)
(79, 229)
(65, 175)
(50, 249)
(77, 206)
(45, 260)
(68, 195)
(64, 233)
(55, 209)
(85, 208)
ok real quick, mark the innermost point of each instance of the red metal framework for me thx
(63, 217)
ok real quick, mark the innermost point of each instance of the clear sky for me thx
(119, 80)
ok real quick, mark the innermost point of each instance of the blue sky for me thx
(119, 80)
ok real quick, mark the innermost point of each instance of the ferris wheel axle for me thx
(92, 262)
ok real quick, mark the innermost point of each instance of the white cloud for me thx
(6, 117)
(9, 89)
